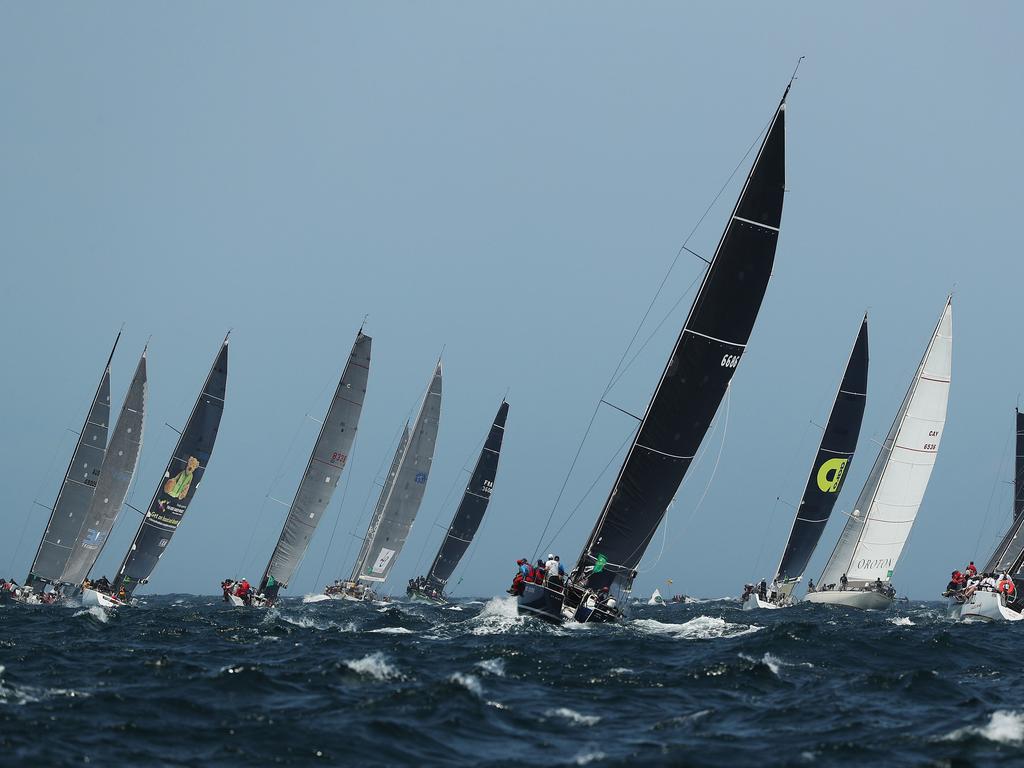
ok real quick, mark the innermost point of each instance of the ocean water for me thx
(186, 680)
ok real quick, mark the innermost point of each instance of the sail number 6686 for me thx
(730, 361)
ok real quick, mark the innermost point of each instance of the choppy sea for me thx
(186, 680)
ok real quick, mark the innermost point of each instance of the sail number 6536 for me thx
(730, 361)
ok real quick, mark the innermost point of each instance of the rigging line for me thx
(643, 320)
(337, 517)
(995, 484)
(39, 490)
(263, 506)
(447, 499)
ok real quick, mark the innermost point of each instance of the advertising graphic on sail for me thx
(381, 563)
(170, 504)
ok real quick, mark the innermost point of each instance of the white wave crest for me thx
(1004, 727)
(699, 628)
(773, 662)
(585, 758)
(494, 667)
(306, 622)
(901, 621)
(96, 612)
(19, 695)
(453, 608)
(314, 598)
(470, 682)
(498, 616)
(392, 631)
(573, 716)
(375, 666)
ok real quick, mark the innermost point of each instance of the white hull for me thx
(987, 606)
(753, 603)
(91, 597)
(236, 601)
(866, 600)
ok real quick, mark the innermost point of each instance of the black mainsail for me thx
(326, 462)
(180, 480)
(1009, 554)
(697, 374)
(115, 478)
(830, 467)
(471, 509)
(76, 492)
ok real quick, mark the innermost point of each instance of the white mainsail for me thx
(877, 529)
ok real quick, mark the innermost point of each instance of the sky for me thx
(508, 184)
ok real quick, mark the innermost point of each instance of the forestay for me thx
(76, 492)
(326, 463)
(1009, 554)
(115, 478)
(180, 480)
(402, 503)
(473, 505)
(877, 529)
(698, 371)
(831, 465)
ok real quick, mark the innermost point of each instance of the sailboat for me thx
(174, 492)
(829, 470)
(1007, 558)
(44, 583)
(691, 388)
(399, 502)
(323, 470)
(468, 516)
(656, 598)
(869, 548)
(115, 478)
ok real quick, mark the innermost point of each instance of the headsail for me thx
(880, 524)
(386, 538)
(378, 510)
(180, 480)
(1009, 554)
(115, 478)
(473, 506)
(76, 492)
(698, 371)
(830, 468)
(323, 470)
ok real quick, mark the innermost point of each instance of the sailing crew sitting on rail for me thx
(748, 590)
(810, 585)
(971, 569)
(122, 595)
(226, 586)
(774, 589)
(243, 590)
(102, 585)
(843, 581)
(539, 571)
(878, 584)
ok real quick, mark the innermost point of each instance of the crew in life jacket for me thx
(972, 571)
(1006, 587)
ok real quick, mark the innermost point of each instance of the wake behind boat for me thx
(865, 557)
(691, 388)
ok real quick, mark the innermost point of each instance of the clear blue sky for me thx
(511, 182)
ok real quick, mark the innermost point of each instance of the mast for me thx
(400, 506)
(474, 503)
(326, 462)
(115, 478)
(181, 479)
(1009, 554)
(76, 491)
(830, 468)
(876, 532)
(697, 374)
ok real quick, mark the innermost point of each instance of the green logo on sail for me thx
(888, 574)
(600, 563)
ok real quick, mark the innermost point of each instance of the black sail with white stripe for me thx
(181, 479)
(698, 371)
(831, 465)
(76, 492)
(473, 506)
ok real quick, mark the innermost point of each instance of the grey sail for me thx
(76, 492)
(386, 539)
(378, 511)
(323, 470)
(115, 478)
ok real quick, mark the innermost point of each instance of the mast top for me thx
(782, 104)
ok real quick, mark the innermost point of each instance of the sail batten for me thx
(181, 479)
(116, 476)
(876, 532)
(470, 512)
(77, 489)
(324, 468)
(830, 468)
(697, 373)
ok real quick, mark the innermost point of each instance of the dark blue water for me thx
(185, 680)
